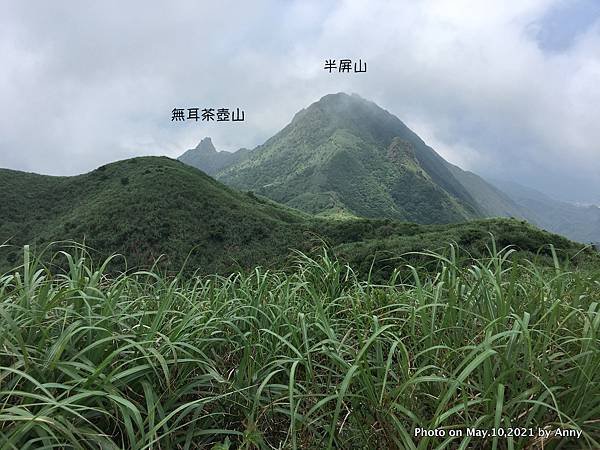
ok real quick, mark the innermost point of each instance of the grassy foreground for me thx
(312, 358)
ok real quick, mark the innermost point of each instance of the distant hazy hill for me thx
(151, 206)
(581, 223)
(208, 159)
(344, 155)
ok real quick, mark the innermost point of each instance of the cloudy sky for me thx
(509, 89)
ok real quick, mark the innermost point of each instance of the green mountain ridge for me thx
(335, 156)
(346, 156)
(148, 207)
(144, 208)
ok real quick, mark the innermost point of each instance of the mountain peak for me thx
(342, 100)
(344, 152)
(206, 145)
(340, 96)
(335, 104)
(206, 157)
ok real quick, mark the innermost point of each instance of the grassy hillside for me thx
(143, 208)
(387, 247)
(370, 329)
(146, 207)
(308, 359)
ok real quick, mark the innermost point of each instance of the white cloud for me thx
(83, 85)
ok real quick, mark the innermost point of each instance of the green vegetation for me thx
(344, 154)
(376, 252)
(221, 319)
(311, 357)
(143, 208)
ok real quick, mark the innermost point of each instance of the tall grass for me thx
(312, 358)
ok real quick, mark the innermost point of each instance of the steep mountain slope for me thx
(581, 223)
(346, 155)
(206, 158)
(491, 200)
(147, 207)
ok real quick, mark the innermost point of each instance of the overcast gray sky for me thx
(508, 89)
